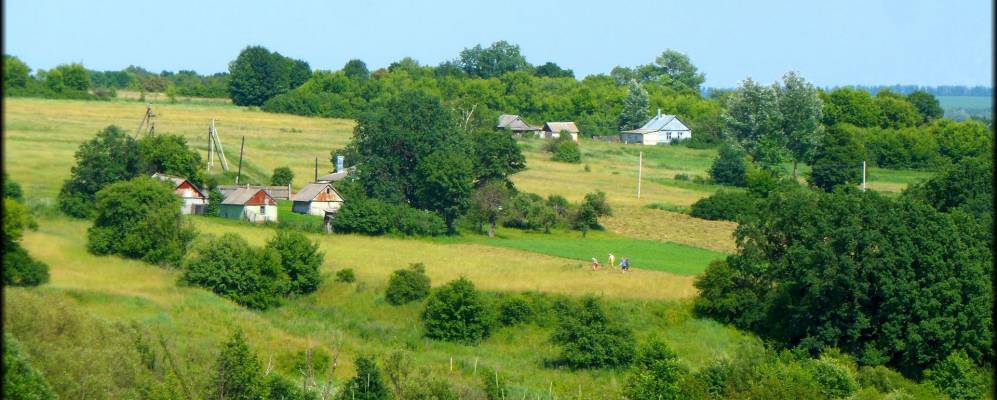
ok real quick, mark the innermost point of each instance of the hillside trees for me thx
(282, 176)
(15, 73)
(837, 160)
(237, 373)
(356, 69)
(496, 157)
(851, 106)
(140, 219)
(488, 204)
(257, 74)
(730, 167)
(19, 268)
(635, 107)
(368, 384)
(677, 70)
(655, 373)
(300, 259)
(110, 157)
(21, 380)
(927, 105)
(169, 154)
(892, 282)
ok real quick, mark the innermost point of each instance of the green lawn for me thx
(643, 254)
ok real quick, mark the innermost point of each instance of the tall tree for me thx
(802, 110)
(635, 107)
(926, 104)
(492, 61)
(837, 160)
(169, 154)
(552, 70)
(753, 120)
(110, 157)
(496, 157)
(850, 105)
(445, 183)
(356, 69)
(257, 74)
(676, 68)
(15, 73)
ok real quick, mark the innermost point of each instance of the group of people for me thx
(624, 263)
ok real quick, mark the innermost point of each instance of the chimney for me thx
(339, 163)
(659, 111)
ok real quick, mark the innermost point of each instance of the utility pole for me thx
(239, 174)
(640, 165)
(863, 175)
(316, 170)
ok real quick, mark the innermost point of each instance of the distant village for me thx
(258, 203)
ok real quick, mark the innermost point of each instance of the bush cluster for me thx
(19, 268)
(258, 278)
(407, 285)
(589, 339)
(375, 217)
(724, 205)
(455, 312)
(513, 311)
(346, 275)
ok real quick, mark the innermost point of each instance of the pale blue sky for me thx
(829, 42)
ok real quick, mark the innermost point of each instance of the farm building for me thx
(193, 199)
(251, 204)
(662, 129)
(276, 192)
(552, 130)
(516, 124)
(317, 199)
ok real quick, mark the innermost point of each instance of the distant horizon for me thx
(841, 44)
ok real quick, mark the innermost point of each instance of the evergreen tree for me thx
(367, 384)
(635, 107)
(238, 374)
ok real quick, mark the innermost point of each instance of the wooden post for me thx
(451, 363)
(239, 174)
(211, 149)
(640, 163)
(316, 170)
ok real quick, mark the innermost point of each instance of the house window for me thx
(263, 209)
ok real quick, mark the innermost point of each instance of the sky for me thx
(831, 43)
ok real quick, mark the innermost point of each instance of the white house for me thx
(662, 129)
(193, 199)
(317, 199)
(552, 130)
(251, 204)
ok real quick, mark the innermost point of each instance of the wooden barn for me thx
(193, 199)
(517, 125)
(552, 130)
(317, 199)
(250, 204)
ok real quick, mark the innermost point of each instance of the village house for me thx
(317, 199)
(662, 129)
(276, 192)
(552, 130)
(517, 125)
(193, 199)
(251, 204)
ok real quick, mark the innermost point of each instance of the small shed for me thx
(552, 130)
(276, 192)
(317, 199)
(517, 125)
(251, 204)
(662, 129)
(194, 199)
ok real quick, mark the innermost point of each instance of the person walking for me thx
(624, 264)
(595, 264)
(612, 261)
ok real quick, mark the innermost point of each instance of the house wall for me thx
(231, 211)
(189, 204)
(664, 138)
(252, 213)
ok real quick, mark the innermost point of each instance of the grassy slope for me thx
(118, 289)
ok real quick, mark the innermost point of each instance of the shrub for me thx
(345, 275)
(761, 181)
(375, 217)
(238, 373)
(140, 219)
(282, 176)
(956, 377)
(589, 339)
(20, 379)
(20, 269)
(567, 151)
(276, 386)
(836, 381)
(11, 189)
(730, 167)
(407, 285)
(367, 384)
(228, 266)
(300, 260)
(456, 313)
(655, 374)
(723, 205)
(682, 177)
(514, 310)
